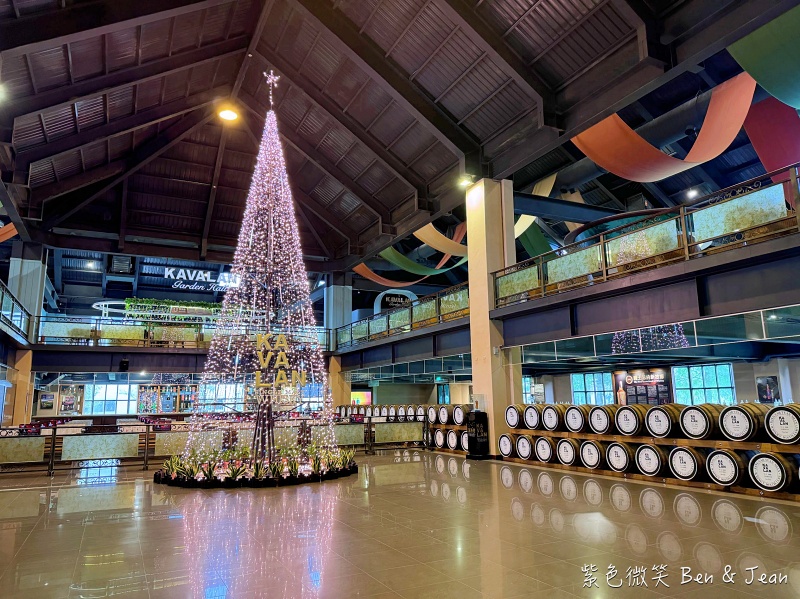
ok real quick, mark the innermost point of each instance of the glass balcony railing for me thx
(13, 316)
(448, 304)
(752, 212)
(58, 329)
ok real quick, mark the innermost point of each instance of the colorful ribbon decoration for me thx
(617, 148)
(771, 55)
(431, 236)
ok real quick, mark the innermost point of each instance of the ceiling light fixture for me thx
(466, 180)
(228, 114)
(692, 194)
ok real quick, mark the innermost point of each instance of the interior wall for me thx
(459, 394)
(403, 394)
(562, 389)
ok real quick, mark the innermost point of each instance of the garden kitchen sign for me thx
(192, 279)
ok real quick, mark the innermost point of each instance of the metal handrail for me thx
(386, 316)
(685, 249)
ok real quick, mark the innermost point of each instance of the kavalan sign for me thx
(192, 279)
(272, 358)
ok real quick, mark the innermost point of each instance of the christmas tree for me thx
(265, 354)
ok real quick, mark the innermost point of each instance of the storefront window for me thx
(711, 383)
(594, 388)
(443, 394)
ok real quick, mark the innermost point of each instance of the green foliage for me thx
(188, 468)
(143, 303)
(235, 471)
(276, 468)
(209, 469)
(294, 466)
(172, 464)
(347, 457)
(316, 462)
(259, 470)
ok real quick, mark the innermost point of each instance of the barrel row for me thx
(441, 414)
(451, 439)
(726, 467)
(742, 422)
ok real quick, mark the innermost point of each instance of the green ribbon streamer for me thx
(393, 256)
(771, 55)
(534, 241)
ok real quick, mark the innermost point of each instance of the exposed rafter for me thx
(369, 57)
(65, 207)
(212, 194)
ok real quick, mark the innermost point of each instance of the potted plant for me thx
(232, 475)
(209, 470)
(275, 471)
(170, 470)
(258, 475)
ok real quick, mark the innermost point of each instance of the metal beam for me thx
(482, 35)
(560, 210)
(77, 21)
(251, 46)
(307, 222)
(368, 56)
(212, 194)
(57, 274)
(123, 216)
(150, 116)
(12, 210)
(128, 76)
(39, 195)
(142, 156)
(324, 103)
(315, 157)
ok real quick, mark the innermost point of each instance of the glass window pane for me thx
(589, 382)
(110, 407)
(598, 381)
(696, 377)
(578, 398)
(726, 395)
(577, 382)
(680, 376)
(709, 376)
(698, 396)
(591, 397)
(683, 396)
(712, 396)
(608, 382)
(724, 375)
(608, 397)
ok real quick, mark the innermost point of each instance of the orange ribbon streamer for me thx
(617, 148)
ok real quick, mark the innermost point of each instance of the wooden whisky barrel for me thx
(433, 414)
(593, 454)
(411, 413)
(506, 445)
(452, 439)
(620, 456)
(783, 423)
(349, 411)
(688, 463)
(701, 421)
(576, 418)
(772, 471)
(567, 451)
(524, 446)
(630, 419)
(384, 411)
(743, 422)
(651, 460)
(439, 438)
(362, 410)
(392, 417)
(446, 414)
(421, 413)
(664, 421)
(601, 419)
(544, 449)
(464, 441)
(553, 416)
(400, 413)
(727, 467)
(514, 415)
(460, 414)
(532, 416)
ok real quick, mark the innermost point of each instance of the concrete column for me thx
(490, 230)
(26, 275)
(338, 301)
(785, 376)
(20, 394)
(340, 387)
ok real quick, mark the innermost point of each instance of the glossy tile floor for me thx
(412, 525)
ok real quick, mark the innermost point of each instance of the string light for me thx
(271, 300)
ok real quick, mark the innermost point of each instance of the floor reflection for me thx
(412, 524)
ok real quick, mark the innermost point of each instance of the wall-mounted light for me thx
(466, 180)
(692, 194)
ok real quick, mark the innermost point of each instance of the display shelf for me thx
(760, 446)
(675, 482)
(448, 427)
(452, 451)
